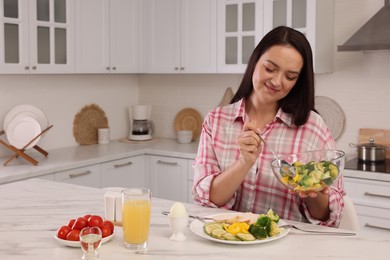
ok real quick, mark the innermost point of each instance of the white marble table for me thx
(32, 210)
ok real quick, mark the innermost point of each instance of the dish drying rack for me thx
(21, 152)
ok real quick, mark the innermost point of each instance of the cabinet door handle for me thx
(34, 67)
(376, 195)
(167, 163)
(26, 67)
(122, 165)
(377, 227)
(75, 175)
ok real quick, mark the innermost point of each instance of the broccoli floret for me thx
(263, 220)
(273, 229)
(258, 232)
(273, 216)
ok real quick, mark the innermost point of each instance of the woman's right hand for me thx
(249, 143)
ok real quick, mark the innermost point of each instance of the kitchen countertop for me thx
(32, 210)
(84, 155)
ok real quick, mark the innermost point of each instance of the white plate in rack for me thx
(21, 130)
(26, 110)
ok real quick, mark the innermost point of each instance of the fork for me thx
(318, 231)
(166, 213)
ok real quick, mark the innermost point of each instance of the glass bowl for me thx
(314, 170)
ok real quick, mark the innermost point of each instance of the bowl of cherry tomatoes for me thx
(69, 234)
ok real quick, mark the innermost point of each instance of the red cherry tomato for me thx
(71, 222)
(79, 224)
(73, 235)
(106, 231)
(63, 232)
(108, 224)
(87, 217)
(95, 221)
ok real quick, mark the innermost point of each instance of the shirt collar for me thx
(242, 115)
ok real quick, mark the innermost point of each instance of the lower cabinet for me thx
(128, 172)
(87, 176)
(372, 201)
(168, 177)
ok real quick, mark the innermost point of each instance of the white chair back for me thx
(350, 219)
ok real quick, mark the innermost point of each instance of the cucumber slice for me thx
(218, 233)
(245, 237)
(230, 236)
(209, 227)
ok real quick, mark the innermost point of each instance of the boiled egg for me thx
(178, 210)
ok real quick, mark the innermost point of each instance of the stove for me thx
(356, 164)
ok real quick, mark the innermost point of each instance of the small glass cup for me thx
(90, 240)
(136, 206)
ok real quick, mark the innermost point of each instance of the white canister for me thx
(103, 135)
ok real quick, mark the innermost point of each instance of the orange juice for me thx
(135, 221)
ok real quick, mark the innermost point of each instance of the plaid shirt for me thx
(260, 190)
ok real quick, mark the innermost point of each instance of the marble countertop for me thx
(32, 210)
(85, 155)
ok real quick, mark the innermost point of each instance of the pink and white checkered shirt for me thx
(261, 191)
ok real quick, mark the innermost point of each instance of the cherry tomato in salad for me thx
(73, 235)
(95, 221)
(63, 232)
(79, 224)
(109, 224)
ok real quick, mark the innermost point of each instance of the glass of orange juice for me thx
(136, 204)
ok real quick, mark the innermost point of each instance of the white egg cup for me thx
(178, 225)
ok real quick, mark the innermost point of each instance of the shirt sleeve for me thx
(206, 168)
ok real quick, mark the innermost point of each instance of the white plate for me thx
(26, 110)
(332, 114)
(21, 130)
(77, 243)
(197, 228)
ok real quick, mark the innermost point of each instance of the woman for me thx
(275, 100)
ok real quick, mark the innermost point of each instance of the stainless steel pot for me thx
(371, 152)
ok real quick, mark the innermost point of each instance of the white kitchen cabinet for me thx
(168, 176)
(240, 28)
(128, 172)
(314, 18)
(87, 176)
(107, 36)
(180, 36)
(36, 36)
(372, 201)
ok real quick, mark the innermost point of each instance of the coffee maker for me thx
(141, 127)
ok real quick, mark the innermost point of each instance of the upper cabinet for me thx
(243, 23)
(107, 36)
(314, 18)
(180, 36)
(36, 36)
(240, 28)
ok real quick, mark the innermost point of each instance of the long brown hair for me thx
(300, 100)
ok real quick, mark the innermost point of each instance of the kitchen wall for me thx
(360, 83)
(60, 97)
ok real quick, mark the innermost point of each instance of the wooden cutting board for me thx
(381, 136)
